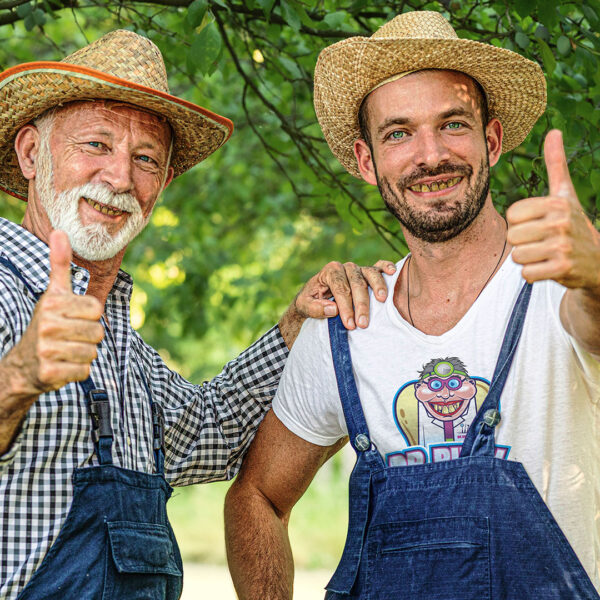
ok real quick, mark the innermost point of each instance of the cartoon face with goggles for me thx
(445, 391)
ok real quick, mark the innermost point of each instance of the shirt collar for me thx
(31, 257)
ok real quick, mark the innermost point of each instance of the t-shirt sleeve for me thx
(307, 400)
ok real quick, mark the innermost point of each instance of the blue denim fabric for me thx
(474, 528)
(116, 542)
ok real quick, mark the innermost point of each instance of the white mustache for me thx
(104, 195)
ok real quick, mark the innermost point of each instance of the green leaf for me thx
(266, 5)
(205, 49)
(595, 181)
(563, 45)
(335, 19)
(195, 12)
(548, 14)
(590, 14)
(29, 22)
(221, 3)
(290, 16)
(542, 33)
(24, 9)
(524, 7)
(521, 39)
(291, 67)
(39, 16)
(547, 57)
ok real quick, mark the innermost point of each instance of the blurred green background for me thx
(234, 239)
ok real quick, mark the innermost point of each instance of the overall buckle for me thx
(158, 427)
(99, 407)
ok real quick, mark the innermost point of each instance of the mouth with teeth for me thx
(111, 211)
(435, 186)
(443, 409)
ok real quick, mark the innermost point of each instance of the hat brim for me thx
(29, 89)
(348, 70)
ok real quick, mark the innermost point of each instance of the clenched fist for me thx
(552, 237)
(59, 344)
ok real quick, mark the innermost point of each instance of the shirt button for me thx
(78, 275)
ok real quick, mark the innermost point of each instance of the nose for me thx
(117, 172)
(445, 393)
(429, 149)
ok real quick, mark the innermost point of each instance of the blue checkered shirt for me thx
(208, 426)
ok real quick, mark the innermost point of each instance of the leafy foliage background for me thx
(234, 238)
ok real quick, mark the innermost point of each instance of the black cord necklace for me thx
(481, 290)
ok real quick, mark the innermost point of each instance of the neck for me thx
(447, 277)
(102, 274)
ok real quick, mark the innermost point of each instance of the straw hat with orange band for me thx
(348, 71)
(121, 66)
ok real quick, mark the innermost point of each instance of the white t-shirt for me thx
(420, 393)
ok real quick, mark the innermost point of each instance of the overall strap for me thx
(342, 364)
(480, 437)
(96, 399)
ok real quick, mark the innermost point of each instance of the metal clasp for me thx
(158, 427)
(100, 413)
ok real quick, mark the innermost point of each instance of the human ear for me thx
(366, 164)
(27, 145)
(493, 138)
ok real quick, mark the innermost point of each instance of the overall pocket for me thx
(445, 558)
(140, 563)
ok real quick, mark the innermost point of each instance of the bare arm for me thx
(554, 239)
(348, 284)
(57, 347)
(276, 472)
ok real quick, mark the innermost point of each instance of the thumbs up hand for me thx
(59, 344)
(552, 237)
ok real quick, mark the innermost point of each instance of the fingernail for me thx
(381, 293)
(362, 321)
(330, 310)
(392, 268)
(351, 323)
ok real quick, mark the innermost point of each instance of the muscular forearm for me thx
(258, 548)
(580, 315)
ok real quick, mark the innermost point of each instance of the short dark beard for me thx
(448, 221)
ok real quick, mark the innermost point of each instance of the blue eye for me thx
(145, 158)
(453, 383)
(435, 384)
(95, 144)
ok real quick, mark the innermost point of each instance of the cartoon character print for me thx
(433, 413)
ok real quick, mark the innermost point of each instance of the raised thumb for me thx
(60, 263)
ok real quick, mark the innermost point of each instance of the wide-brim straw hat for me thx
(121, 66)
(347, 71)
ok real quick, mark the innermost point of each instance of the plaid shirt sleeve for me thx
(210, 426)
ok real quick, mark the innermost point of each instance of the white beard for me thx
(91, 242)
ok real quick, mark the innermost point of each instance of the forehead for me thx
(112, 118)
(423, 92)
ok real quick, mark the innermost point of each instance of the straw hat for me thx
(119, 66)
(347, 71)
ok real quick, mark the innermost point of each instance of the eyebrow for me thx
(453, 112)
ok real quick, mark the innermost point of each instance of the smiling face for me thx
(429, 151)
(445, 398)
(100, 168)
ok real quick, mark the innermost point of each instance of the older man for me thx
(92, 419)
(423, 115)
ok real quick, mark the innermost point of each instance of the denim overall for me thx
(116, 542)
(473, 528)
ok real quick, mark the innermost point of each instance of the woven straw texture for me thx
(348, 70)
(119, 66)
